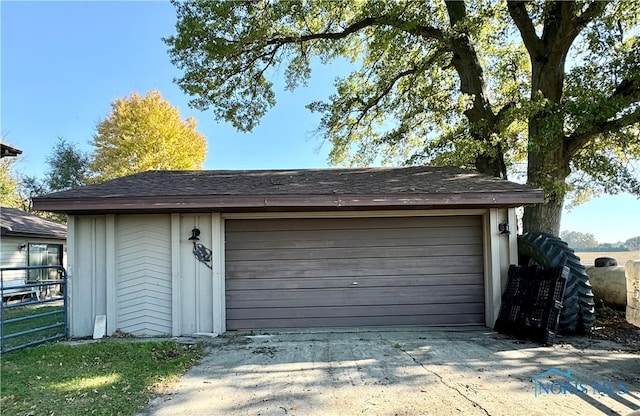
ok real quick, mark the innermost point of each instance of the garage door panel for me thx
(341, 236)
(245, 306)
(453, 320)
(341, 281)
(344, 297)
(355, 311)
(301, 272)
(233, 245)
(350, 224)
(324, 272)
(362, 266)
(399, 251)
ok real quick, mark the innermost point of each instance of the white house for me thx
(29, 240)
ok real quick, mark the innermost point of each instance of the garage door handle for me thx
(355, 283)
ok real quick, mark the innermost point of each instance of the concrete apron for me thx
(414, 372)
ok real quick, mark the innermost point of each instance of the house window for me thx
(40, 254)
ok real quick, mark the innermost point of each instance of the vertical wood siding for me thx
(143, 277)
(87, 278)
(287, 273)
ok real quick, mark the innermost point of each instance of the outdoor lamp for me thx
(194, 235)
(504, 228)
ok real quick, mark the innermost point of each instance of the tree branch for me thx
(521, 18)
(467, 65)
(385, 20)
(374, 101)
(594, 10)
(577, 142)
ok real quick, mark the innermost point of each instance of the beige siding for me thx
(196, 284)
(143, 274)
(12, 256)
(354, 272)
(87, 272)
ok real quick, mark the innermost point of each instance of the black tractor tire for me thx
(578, 307)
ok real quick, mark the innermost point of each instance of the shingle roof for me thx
(234, 190)
(15, 222)
(8, 151)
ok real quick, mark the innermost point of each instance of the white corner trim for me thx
(111, 285)
(218, 267)
(176, 277)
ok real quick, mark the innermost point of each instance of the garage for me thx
(204, 252)
(354, 272)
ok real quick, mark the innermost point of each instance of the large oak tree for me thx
(484, 84)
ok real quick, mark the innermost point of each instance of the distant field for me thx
(622, 256)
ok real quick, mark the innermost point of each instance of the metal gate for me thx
(32, 311)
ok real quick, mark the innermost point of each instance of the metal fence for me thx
(32, 311)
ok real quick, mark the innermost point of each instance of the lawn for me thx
(55, 316)
(112, 377)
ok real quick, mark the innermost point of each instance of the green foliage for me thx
(579, 240)
(31, 187)
(482, 84)
(633, 243)
(68, 167)
(145, 133)
(9, 184)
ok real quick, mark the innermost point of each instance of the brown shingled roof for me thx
(307, 189)
(15, 222)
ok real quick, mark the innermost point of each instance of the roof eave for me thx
(20, 234)
(281, 202)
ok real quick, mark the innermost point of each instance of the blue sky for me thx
(63, 63)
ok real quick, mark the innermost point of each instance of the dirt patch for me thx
(612, 325)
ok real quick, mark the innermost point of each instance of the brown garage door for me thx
(293, 273)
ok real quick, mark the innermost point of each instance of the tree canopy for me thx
(68, 167)
(491, 85)
(577, 239)
(145, 133)
(9, 184)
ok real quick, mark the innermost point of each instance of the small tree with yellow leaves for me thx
(145, 133)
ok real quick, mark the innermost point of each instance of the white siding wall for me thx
(12, 256)
(139, 270)
(87, 285)
(501, 251)
(200, 288)
(143, 274)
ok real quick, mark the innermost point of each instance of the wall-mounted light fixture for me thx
(503, 227)
(195, 235)
(22, 246)
(203, 254)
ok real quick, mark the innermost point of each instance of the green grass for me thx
(105, 378)
(14, 327)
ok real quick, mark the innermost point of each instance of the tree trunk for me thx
(543, 217)
(548, 164)
(548, 159)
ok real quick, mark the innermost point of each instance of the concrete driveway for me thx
(416, 372)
